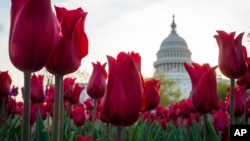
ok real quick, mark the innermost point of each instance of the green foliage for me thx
(136, 132)
(42, 132)
(169, 90)
(212, 132)
(11, 131)
(222, 89)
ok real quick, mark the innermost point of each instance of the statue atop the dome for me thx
(173, 26)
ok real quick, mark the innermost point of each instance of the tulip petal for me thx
(122, 101)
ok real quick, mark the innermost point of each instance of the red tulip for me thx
(34, 33)
(172, 111)
(231, 54)
(50, 92)
(5, 82)
(164, 123)
(72, 90)
(102, 116)
(239, 104)
(11, 106)
(100, 112)
(89, 104)
(33, 112)
(37, 90)
(221, 121)
(189, 106)
(86, 138)
(81, 138)
(49, 108)
(75, 94)
(187, 122)
(97, 82)
(151, 96)
(123, 98)
(136, 57)
(161, 112)
(19, 107)
(245, 79)
(44, 110)
(73, 46)
(68, 84)
(78, 115)
(185, 108)
(152, 118)
(247, 108)
(204, 88)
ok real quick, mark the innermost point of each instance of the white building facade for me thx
(172, 54)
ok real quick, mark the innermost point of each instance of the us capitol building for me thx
(171, 56)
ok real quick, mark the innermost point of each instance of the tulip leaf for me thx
(212, 132)
(194, 132)
(71, 136)
(170, 136)
(140, 131)
(14, 130)
(43, 135)
(67, 124)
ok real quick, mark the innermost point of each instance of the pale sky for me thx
(141, 25)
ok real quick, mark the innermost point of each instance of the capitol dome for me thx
(171, 56)
(173, 40)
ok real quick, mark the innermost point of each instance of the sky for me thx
(113, 26)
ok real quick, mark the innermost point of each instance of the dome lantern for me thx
(173, 26)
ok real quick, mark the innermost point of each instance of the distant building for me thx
(220, 79)
(83, 95)
(172, 54)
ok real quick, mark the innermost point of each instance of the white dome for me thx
(174, 41)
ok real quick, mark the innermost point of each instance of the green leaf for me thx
(194, 132)
(71, 136)
(212, 132)
(43, 135)
(14, 130)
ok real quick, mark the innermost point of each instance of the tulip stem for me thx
(245, 100)
(93, 120)
(37, 117)
(130, 128)
(206, 132)
(148, 125)
(4, 115)
(108, 129)
(56, 114)
(26, 108)
(232, 100)
(119, 134)
(61, 112)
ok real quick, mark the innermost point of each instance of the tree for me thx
(222, 89)
(169, 90)
(81, 76)
(248, 35)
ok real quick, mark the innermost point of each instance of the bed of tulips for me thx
(122, 106)
(177, 122)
